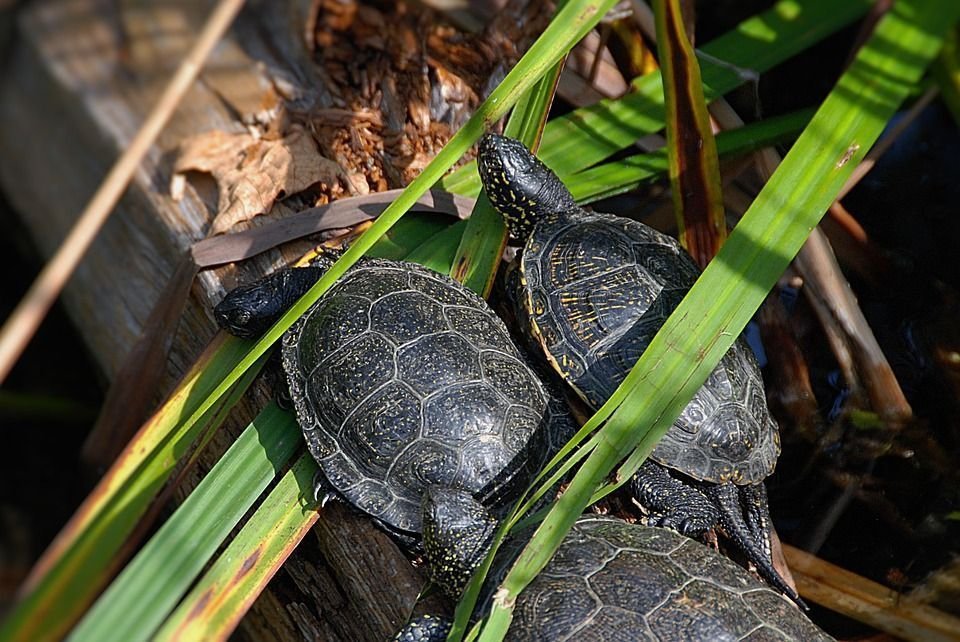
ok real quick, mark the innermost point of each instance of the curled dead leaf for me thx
(252, 173)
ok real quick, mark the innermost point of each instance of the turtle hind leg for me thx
(457, 535)
(673, 503)
(751, 535)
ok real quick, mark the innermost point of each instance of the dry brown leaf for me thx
(251, 174)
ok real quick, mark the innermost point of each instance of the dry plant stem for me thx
(29, 313)
(837, 304)
(836, 307)
(827, 522)
(135, 385)
(794, 389)
(874, 604)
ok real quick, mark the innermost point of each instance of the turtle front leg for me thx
(673, 504)
(750, 535)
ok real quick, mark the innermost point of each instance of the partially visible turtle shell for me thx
(402, 378)
(597, 288)
(610, 580)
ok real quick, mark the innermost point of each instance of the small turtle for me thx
(610, 580)
(593, 291)
(403, 379)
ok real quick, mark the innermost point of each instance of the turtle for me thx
(592, 291)
(402, 379)
(611, 580)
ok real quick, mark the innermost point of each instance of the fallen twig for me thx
(866, 601)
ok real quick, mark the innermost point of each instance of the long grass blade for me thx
(153, 582)
(212, 610)
(588, 135)
(79, 562)
(709, 319)
(478, 256)
(620, 176)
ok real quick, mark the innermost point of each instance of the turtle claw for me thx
(751, 534)
(688, 525)
(673, 504)
(323, 492)
(692, 510)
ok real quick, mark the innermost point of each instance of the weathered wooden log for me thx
(79, 80)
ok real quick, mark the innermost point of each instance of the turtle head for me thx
(249, 310)
(519, 185)
(457, 531)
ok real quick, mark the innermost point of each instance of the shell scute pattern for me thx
(610, 580)
(392, 419)
(318, 324)
(567, 604)
(509, 376)
(701, 606)
(432, 362)
(406, 315)
(402, 379)
(476, 326)
(601, 314)
(429, 284)
(346, 377)
(519, 426)
(464, 412)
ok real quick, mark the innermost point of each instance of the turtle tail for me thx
(519, 185)
(753, 538)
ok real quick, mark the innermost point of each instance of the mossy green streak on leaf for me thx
(713, 314)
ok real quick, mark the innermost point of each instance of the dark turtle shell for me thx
(610, 580)
(401, 379)
(597, 288)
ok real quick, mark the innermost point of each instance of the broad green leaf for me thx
(438, 251)
(618, 177)
(81, 559)
(411, 231)
(713, 314)
(153, 582)
(214, 607)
